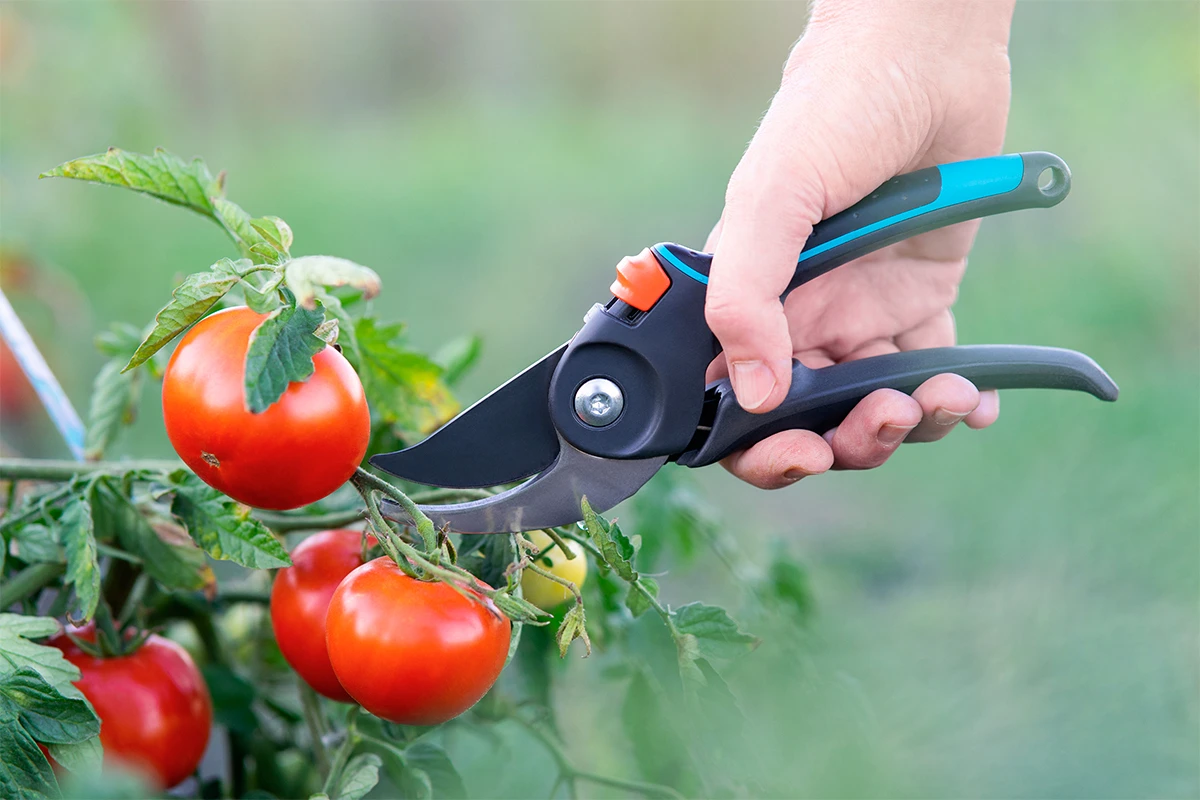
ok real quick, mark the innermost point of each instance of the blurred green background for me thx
(1012, 613)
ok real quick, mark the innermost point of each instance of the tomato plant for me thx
(154, 708)
(280, 383)
(297, 451)
(300, 598)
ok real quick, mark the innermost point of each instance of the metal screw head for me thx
(598, 402)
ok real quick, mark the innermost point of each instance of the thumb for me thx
(830, 136)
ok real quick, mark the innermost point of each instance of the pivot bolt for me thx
(598, 402)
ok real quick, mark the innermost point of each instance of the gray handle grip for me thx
(819, 399)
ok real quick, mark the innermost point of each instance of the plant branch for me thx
(655, 603)
(285, 523)
(61, 470)
(570, 774)
(28, 582)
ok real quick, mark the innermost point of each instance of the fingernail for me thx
(795, 473)
(753, 383)
(893, 434)
(945, 417)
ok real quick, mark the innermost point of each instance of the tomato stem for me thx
(342, 756)
(285, 523)
(28, 582)
(315, 721)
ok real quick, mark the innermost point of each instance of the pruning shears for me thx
(602, 413)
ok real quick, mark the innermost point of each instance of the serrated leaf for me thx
(79, 542)
(687, 649)
(573, 626)
(44, 712)
(17, 651)
(457, 356)
(36, 543)
(613, 545)
(190, 301)
(25, 774)
(307, 274)
(31, 711)
(277, 232)
(444, 778)
(176, 565)
(281, 352)
(636, 602)
(240, 227)
(717, 634)
(359, 777)
(404, 388)
(163, 175)
(113, 404)
(224, 528)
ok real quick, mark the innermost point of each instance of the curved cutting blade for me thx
(547, 500)
(504, 437)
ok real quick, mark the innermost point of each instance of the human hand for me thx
(870, 91)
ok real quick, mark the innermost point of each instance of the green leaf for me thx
(25, 774)
(403, 388)
(232, 698)
(162, 175)
(36, 544)
(788, 585)
(359, 777)
(687, 649)
(573, 626)
(614, 546)
(281, 352)
(86, 756)
(44, 712)
(114, 402)
(717, 634)
(307, 274)
(167, 554)
(120, 340)
(636, 602)
(457, 356)
(240, 227)
(79, 541)
(190, 301)
(31, 711)
(720, 711)
(275, 231)
(224, 528)
(17, 651)
(445, 780)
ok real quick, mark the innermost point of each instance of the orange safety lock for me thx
(641, 280)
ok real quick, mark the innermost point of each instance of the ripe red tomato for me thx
(154, 707)
(299, 450)
(300, 599)
(410, 651)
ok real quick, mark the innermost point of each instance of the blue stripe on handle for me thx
(682, 267)
(962, 181)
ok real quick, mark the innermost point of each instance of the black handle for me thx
(819, 399)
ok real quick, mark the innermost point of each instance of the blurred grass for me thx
(1012, 613)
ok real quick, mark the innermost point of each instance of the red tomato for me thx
(413, 652)
(154, 707)
(300, 598)
(16, 394)
(299, 450)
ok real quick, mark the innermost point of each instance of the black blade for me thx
(547, 500)
(504, 437)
